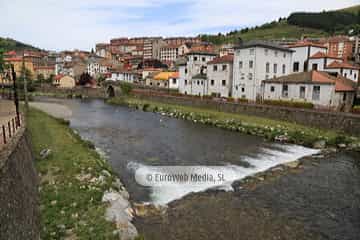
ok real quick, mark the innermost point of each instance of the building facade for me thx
(220, 76)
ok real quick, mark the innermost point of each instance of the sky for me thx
(80, 24)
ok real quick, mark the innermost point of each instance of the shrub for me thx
(126, 88)
(294, 104)
(356, 109)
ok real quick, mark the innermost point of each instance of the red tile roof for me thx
(59, 76)
(324, 55)
(337, 64)
(224, 59)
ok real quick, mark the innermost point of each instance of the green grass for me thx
(69, 207)
(353, 9)
(299, 134)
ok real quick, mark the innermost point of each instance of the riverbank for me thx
(314, 198)
(78, 190)
(272, 130)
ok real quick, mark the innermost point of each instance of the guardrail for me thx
(9, 129)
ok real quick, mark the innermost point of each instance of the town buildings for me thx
(170, 53)
(124, 76)
(340, 46)
(320, 88)
(45, 71)
(163, 80)
(62, 81)
(257, 61)
(220, 76)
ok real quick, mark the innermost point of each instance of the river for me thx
(131, 139)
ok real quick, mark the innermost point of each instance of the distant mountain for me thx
(8, 44)
(297, 25)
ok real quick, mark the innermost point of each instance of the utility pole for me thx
(25, 86)
(16, 97)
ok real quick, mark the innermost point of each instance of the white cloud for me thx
(68, 24)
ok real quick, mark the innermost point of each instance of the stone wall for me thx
(19, 213)
(77, 91)
(338, 121)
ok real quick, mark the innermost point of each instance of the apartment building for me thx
(220, 76)
(170, 53)
(152, 48)
(340, 46)
(257, 61)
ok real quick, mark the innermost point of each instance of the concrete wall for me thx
(19, 213)
(346, 122)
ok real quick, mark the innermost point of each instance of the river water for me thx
(131, 139)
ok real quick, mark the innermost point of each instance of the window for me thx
(272, 89)
(345, 75)
(150, 83)
(242, 89)
(174, 80)
(224, 67)
(350, 72)
(195, 58)
(275, 68)
(215, 68)
(250, 76)
(251, 64)
(240, 65)
(186, 71)
(223, 82)
(212, 82)
(315, 67)
(283, 69)
(266, 76)
(202, 82)
(284, 55)
(158, 84)
(165, 84)
(302, 92)
(252, 51)
(266, 52)
(296, 67)
(316, 93)
(185, 82)
(198, 82)
(204, 59)
(267, 67)
(355, 77)
(276, 53)
(344, 97)
(236, 88)
(285, 91)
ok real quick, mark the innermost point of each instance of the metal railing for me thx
(9, 129)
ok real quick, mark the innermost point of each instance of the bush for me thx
(294, 104)
(356, 109)
(126, 88)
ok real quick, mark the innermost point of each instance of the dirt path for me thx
(319, 200)
(53, 109)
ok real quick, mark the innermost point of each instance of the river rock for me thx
(342, 145)
(45, 153)
(147, 209)
(120, 212)
(281, 138)
(294, 164)
(320, 144)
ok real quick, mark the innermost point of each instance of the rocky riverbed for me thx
(315, 198)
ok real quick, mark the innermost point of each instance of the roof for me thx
(337, 64)
(164, 76)
(207, 53)
(44, 67)
(306, 44)
(59, 76)
(324, 55)
(263, 44)
(342, 84)
(224, 59)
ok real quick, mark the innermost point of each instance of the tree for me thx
(40, 78)
(85, 78)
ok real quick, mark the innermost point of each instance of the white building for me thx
(124, 76)
(302, 54)
(195, 65)
(320, 60)
(220, 76)
(319, 88)
(172, 52)
(255, 62)
(345, 69)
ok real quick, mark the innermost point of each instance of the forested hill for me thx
(297, 25)
(8, 44)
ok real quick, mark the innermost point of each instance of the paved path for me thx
(7, 112)
(53, 109)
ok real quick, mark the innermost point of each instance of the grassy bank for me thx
(73, 179)
(268, 128)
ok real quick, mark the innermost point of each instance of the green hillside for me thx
(8, 44)
(297, 25)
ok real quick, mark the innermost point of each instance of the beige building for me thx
(64, 81)
(46, 71)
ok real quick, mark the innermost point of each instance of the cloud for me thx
(68, 24)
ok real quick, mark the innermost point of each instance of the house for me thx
(302, 53)
(320, 88)
(163, 80)
(345, 69)
(320, 60)
(46, 71)
(256, 61)
(199, 85)
(220, 76)
(62, 81)
(18, 63)
(195, 65)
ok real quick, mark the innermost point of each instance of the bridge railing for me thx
(8, 130)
